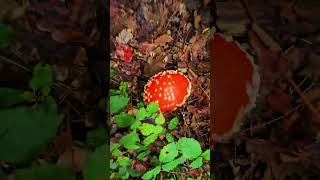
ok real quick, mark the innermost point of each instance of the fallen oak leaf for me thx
(163, 39)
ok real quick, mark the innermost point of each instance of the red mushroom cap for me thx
(125, 52)
(169, 89)
(235, 82)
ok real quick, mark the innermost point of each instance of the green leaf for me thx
(206, 155)
(6, 35)
(158, 129)
(96, 137)
(113, 165)
(10, 96)
(117, 103)
(142, 113)
(96, 167)
(116, 153)
(124, 120)
(124, 161)
(133, 172)
(130, 140)
(47, 172)
(26, 131)
(123, 87)
(150, 139)
(114, 146)
(153, 107)
(135, 125)
(142, 155)
(168, 153)
(189, 147)
(123, 172)
(152, 173)
(160, 119)
(173, 123)
(146, 129)
(169, 137)
(112, 72)
(42, 78)
(173, 164)
(140, 104)
(196, 163)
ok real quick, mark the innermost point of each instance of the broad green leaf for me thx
(189, 147)
(158, 129)
(152, 173)
(123, 87)
(124, 120)
(196, 163)
(173, 123)
(112, 72)
(123, 172)
(150, 139)
(146, 129)
(26, 131)
(113, 146)
(96, 137)
(160, 119)
(6, 35)
(124, 161)
(47, 172)
(169, 137)
(142, 155)
(114, 175)
(206, 155)
(42, 78)
(113, 165)
(135, 125)
(116, 153)
(10, 96)
(173, 164)
(118, 103)
(130, 140)
(168, 153)
(153, 107)
(140, 104)
(96, 167)
(133, 173)
(142, 113)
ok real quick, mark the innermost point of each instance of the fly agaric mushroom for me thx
(235, 82)
(169, 89)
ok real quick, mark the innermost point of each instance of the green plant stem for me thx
(7, 60)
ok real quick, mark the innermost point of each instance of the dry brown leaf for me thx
(124, 37)
(163, 39)
(74, 158)
(197, 19)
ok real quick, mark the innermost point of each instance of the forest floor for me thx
(52, 63)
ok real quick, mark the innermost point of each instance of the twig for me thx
(303, 97)
(14, 63)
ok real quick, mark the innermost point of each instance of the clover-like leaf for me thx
(152, 173)
(146, 129)
(130, 141)
(117, 103)
(206, 155)
(168, 153)
(153, 107)
(196, 163)
(160, 119)
(189, 147)
(124, 120)
(173, 123)
(173, 164)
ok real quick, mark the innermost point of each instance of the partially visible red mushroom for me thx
(125, 52)
(169, 89)
(235, 82)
